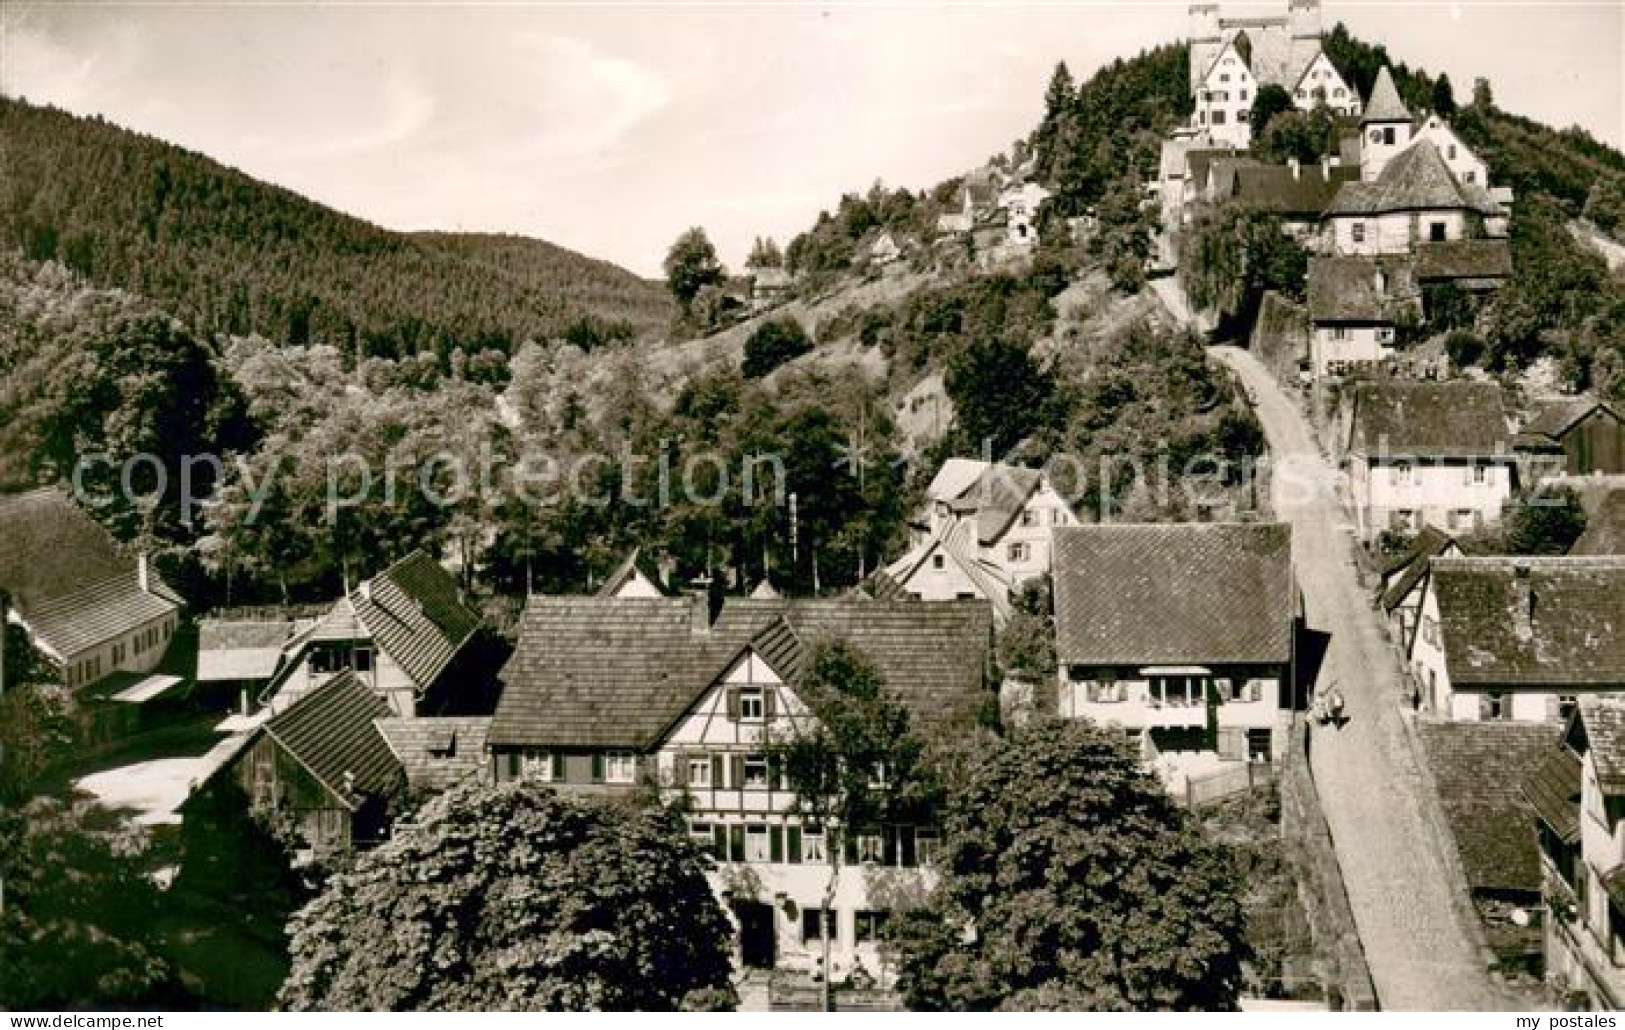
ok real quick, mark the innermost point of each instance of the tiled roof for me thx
(1463, 259)
(241, 649)
(415, 614)
(1276, 190)
(331, 732)
(1480, 768)
(1384, 104)
(1605, 528)
(1604, 724)
(1416, 179)
(93, 614)
(437, 752)
(1552, 788)
(631, 566)
(1199, 160)
(995, 493)
(1174, 594)
(49, 546)
(957, 545)
(1401, 576)
(1561, 622)
(1454, 419)
(617, 672)
(1359, 289)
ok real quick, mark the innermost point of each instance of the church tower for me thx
(1385, 129)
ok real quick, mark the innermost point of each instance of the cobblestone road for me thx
(1421, 955)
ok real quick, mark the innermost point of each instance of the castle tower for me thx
(1205, 41)
(1385, 128)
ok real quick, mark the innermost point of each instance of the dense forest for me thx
(229, 254)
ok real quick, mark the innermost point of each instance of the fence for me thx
(1234, 778)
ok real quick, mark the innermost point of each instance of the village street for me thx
(1421, 956)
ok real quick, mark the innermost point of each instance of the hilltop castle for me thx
(1232, 58)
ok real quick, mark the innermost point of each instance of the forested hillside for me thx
(230, 254)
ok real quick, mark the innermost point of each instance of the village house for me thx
(769, 286)
(1578, 436)
(321, 763)
(978, 198)
(605, 696)
(1231, 58)
(1405, 579)
(238, 655)
(1020, 202)
(1578, 793)
(1181, 634)
(1479, 770)
(400, 633)
(636, 576)
(438, 752)
(1422, 454)
(1355, 307)
(1518, 638)
(1295, 194)
(1414, 200)
(1322, 83)
(103, 620)
(985, 530)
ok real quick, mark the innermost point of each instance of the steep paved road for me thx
(1421, 956)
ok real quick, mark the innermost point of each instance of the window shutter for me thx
(775, 772)
(888, 853)
(792, 841)
(770, 699)
(720, 833)
(906, 855)
(679, 769)
(736, 842)
(850, 847)
(775, 843)
(717, 782)
(736, 771)
(598, 768)
(513, 764)
(733, 703)
(556, 759)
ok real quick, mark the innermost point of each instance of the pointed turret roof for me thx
(1384, 104)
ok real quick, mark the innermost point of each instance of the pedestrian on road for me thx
(1334, 705)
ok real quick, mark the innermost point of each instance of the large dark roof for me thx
(1174, 594)
(1384, 104)
(1277, 190)
(1416, 179)
(993, 492)
(1454, 419)
(1552, 788)
(617, 672)
(1480, 768)
(1463, 259)
(331, 732)
(98, 612)
(1605, 528)
(1401, 576)
(1360, 289)
(49, 546)
(440, 751)
(1557, 622)
(416, 615)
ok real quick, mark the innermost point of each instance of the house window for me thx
(1401, 474)
(1566, 704)
(1107, 690)
(1018, 552)
(814, 846)
(1340, 333)
(867, 926)
(1480, 475)
(1218, 117)
(538, 764)
(1451, 150)
(1029, 518)
(1338, 92)
(1178, 691)
(363, 659)
(813, 922)
(871, 849)
(1496, 706)
(752, 706)
(1357, 232)
(756, 843)
(699, 771)
(756, 772)
(1436, 232)
(1258, 744)
(703, 835)
(1388, 136)
(1430, 630)
(620, 767)
(1244, 100)
(938, 561)
(926, 847)
(1470, 175)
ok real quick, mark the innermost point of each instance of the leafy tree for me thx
(765, 253)
(1231, 255)
(1444, 98)
(1027, 643)
(1483, 96)
(691, 264)
(77, 929)
(1071, 880)
(1000, 395)
(515, 897)
(773, 343)
(1270, 100)
(856, 766)
(1060, 97)
(1605, 204)
(1122, 239)
(1305, 136)
(36, 720)
(1464, 348)
(1547, 522)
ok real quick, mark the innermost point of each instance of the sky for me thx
(610, 128)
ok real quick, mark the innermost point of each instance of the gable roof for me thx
(414, 612)
(1402, 575)
(632, 566)
(241, 649)
(1556, 418)
(49, 547)
(1200, 159)
(1277, 190)
(1384, 104)
(1605, 528)
(1174, 594)
(1346, 288)
(1451, 419)
(1532, 621)
(1480, 769)
(1416, 179)
(437, 752)
(97, 612)
(958, 546)
(617, 672)
(1463, 259)
(993, 492)
(1552, 788)
(1602, 721)
(331, 732)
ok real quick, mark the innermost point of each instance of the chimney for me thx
(1297, 170)
(142, 577)
(1523, 603)
(699, 606)
(349, 783)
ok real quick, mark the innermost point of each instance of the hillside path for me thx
(1420, 954)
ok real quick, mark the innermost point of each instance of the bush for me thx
(1464, 347)
(772, 344)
